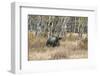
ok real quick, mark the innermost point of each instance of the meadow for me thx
(71, 47)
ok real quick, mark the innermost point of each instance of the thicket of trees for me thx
(57, 25)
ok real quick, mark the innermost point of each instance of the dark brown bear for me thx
(53, 41)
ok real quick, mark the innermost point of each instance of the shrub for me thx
(39, 42)
(31, 39)
(84, 43)
(36, 41)
(73, 36)
(59, 55)
(39, 49)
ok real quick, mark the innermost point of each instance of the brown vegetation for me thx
(70, 48)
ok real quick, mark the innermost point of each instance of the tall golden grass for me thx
(71, 47)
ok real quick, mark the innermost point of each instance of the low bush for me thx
(36, 42)
(83, 44)
(31, 39)
(73, 37)
(59, 55)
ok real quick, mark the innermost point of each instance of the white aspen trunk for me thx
(75, 25)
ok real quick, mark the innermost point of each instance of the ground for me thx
(69, 49)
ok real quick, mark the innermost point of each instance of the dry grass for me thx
(72, 36)
(36, 42)
(68, 49)
(84, 43)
